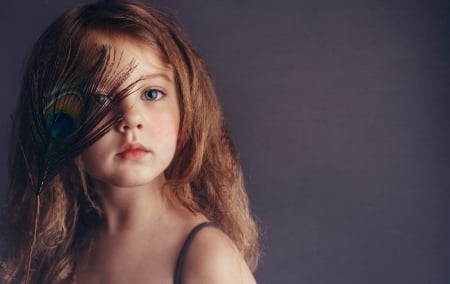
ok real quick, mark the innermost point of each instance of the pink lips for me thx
(132, 151)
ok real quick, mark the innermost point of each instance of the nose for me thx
(131, 116)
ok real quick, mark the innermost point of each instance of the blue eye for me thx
(152, 95)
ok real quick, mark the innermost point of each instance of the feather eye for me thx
(63, 114)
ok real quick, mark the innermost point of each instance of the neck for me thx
(131, 209)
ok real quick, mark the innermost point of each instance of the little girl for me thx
(122, 170)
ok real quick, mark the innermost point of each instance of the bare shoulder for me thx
(214, 259)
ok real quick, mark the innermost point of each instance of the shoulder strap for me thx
(184, 249)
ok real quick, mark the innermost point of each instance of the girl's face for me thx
(137, 151)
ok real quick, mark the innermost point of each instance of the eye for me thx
(152, 95)
(102, 98)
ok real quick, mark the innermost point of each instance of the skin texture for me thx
(143, 231)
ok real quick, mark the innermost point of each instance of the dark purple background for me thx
(339, 112)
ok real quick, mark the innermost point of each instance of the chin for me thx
(129, 181)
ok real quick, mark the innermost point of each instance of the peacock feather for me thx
(74, 109)
(70, 107)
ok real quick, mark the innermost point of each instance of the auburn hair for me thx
(205, 175)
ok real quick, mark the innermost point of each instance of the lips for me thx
(132, 151)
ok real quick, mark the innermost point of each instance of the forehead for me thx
(142, 58)
(127, 48)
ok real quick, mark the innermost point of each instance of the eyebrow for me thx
(157, 75)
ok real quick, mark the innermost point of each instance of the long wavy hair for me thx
(205, 175)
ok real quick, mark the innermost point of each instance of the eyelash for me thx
(152, 92)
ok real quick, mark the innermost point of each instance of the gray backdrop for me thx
(339, 112)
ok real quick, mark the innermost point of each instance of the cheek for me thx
(168, 129)
(89, 159)
(95, 155)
